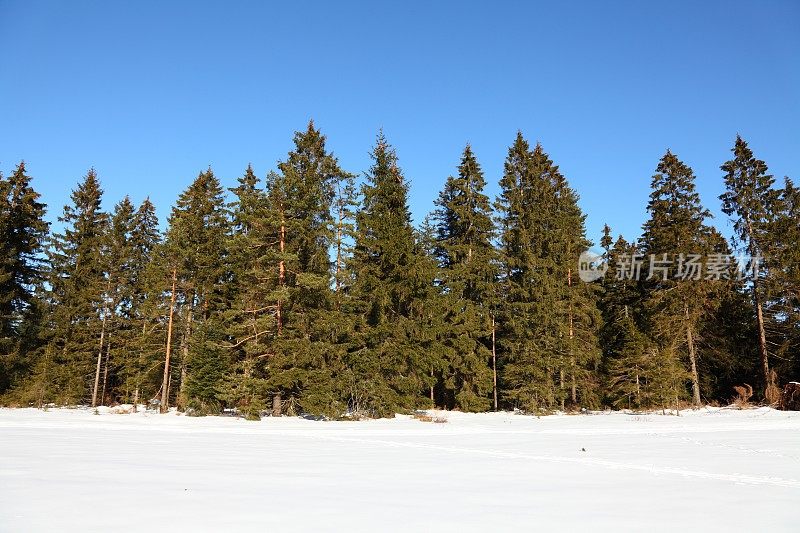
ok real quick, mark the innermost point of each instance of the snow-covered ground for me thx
(712, 470)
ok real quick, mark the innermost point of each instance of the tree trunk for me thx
(105, 371)
(433, 402)
(762, 342)
(494, 366)
(762, 335)
(99, 360)
(165, 382)
(692, 359)
(276, 404)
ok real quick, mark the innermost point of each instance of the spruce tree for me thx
(389, 367)
(750, 200)
(24, 232)
(77, 281)
(784, 288)
(464, 232)
(196, 259)
(627, 356)
(250, 321)
(116, 296)
(577, 301)
(549, 321)
(136, 331)
(293, 267)
(675, 238)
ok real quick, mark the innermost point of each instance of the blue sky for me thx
(150, 93)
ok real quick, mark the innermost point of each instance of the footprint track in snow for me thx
(742, 479)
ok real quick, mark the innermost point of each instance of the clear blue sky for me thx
(150, 93)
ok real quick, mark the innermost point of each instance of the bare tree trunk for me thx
(276, 404)
(692, 359)
(99, 360)
(105, 371)
(433, 402)
(762, 343)
(762, 335)
(494, 366)
(165, 382)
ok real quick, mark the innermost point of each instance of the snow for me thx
(711, 469)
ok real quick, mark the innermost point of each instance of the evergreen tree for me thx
(580, 318)
(250, 320)
(784, 289)
(302, 367)
(466, 254)
(750, 200)
(676, 241)
(548, 323)
(116, 296)
(195, 254)
(389, 367)
(138, 326)
(77, 281)
(627, 356)
(24, 232)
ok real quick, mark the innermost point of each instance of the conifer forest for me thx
(309, 291)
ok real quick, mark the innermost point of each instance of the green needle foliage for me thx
(309, 291)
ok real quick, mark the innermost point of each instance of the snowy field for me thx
(714, 470)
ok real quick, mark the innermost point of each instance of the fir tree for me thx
(24, 232)
(77, 283)
(464, 249)
(303, 364)
(116, 296)
(784, 287)
(138, 326)
(580, 318)
(750, 200)
(195, 252)
(250, 319)
(677, 239)
(389, 367)
(549, 322)
(626, 351)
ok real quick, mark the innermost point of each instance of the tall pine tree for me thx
(77, 281)
(466, 254)
(750, 200)
(676, 243)
(389, 365)
(549, 320)
(24, 232)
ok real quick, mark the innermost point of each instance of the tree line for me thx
(309, 293)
